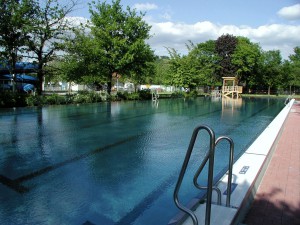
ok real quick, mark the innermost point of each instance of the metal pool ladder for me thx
(210, 159)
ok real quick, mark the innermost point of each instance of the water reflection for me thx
(231, 107)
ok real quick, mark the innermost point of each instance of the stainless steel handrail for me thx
(230, 166)
(210, 174)
(205, 187)
(210, 158)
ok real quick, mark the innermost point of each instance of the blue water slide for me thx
(25, 82)
(28, 87)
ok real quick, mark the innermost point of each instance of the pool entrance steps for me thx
(247, 173)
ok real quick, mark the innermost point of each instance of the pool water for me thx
(114, 163)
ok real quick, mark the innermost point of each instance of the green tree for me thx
(204, 60)
(195, 69)
(271, 68)
(118, 38)
(81, 63)
(225, 47)
(180, 71)
(246, 58)
(287, 76)
(295, 67)
(162, 71)
(48, 34)
(16, 18)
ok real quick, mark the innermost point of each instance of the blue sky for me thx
(274, 24)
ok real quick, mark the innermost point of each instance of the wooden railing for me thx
(236, 89)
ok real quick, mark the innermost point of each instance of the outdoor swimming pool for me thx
(113, 163)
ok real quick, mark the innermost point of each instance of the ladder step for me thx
(219, 215)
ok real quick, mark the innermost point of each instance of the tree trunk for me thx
(269, 90)
(40, 75)
(109, 84)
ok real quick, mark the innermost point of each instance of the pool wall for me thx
(248, 172)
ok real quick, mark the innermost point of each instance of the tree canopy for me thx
(295, 67)
(206, 63)
(115, 45)
(33, 29)
(47, 35)
(225, 48)
(16, 22)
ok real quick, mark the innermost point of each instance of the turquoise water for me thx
(113, 163)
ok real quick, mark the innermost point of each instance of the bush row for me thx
(10, 99)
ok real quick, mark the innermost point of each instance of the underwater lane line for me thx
(15, 184)
(74, 159)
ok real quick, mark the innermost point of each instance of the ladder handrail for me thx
(230, 166)
(210, 174)
(204, 187)
(210, 158)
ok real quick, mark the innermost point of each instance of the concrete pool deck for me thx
(277, 200)
(254, 189)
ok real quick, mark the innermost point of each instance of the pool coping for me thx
(248, 171)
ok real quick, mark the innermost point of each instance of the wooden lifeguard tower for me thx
(230, 89)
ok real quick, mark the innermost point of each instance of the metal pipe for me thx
(184, 167)
(181, 175)
(210, 158)
(210, 175)
(230, 166)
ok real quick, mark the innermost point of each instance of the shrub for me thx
(128, 96)
(122, 95)
(177, 94)
(145, 94)
(35, 100)
(192, 94)
(133, 96)
(87, 97)
(11, 99)
(54, 99)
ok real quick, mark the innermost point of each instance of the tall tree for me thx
(119, 41)
(16, 18)
(271, 68)
(225, 47)
(48, 33)
(245, 58)
(180, 73)
(205, 59)
(195, 69)
(81, 63)
(288, 79)
(295, 67)
(162, 65)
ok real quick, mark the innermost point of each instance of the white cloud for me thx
(290, 12)
(144, 6)
(76, 21)
(176, 35)
(166, 16)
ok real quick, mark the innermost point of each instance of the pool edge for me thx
(256, 158)
(250, 195)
